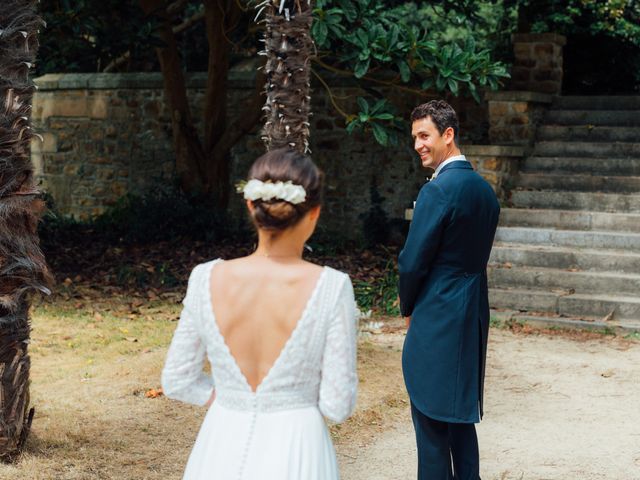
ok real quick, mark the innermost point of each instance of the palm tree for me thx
(288, 48)
(22, 266)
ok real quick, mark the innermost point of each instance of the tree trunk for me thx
(213, 155)
(22, 265)
(220, 15)
(288, 47)
(190, 157)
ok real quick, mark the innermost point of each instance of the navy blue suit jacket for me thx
(443, 287)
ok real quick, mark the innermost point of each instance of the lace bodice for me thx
(317, 365)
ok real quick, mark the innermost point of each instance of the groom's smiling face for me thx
(429, 143)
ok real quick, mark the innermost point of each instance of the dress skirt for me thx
(243, 445)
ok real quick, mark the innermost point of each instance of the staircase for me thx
(567, 250)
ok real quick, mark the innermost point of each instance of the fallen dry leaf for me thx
(609, 316)
(154, 393)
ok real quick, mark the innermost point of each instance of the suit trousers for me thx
(446, 451)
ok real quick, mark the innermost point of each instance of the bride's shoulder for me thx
(201, 269)
(337, 275)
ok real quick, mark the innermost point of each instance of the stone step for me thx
(592, 201)
(588, 133)
(581, 182)
(596, 166)
(565, 257)
(560, 303)
(570, 238)
(556, 280)
(611, 118)
(551, 320)
(587, 149)
(570, 219)
(605, 102)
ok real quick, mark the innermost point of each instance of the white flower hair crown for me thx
(256, 189)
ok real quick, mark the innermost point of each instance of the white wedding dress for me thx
(278, 431)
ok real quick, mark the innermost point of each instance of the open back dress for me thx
(276, 432)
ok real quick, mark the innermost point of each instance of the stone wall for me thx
(537, 66)
(106, 135)
(497, 164)
(515, 115)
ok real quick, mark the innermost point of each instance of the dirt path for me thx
(556, 408)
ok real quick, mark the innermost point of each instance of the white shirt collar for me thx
(456, 158)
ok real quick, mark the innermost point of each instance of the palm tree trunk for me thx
(22, 265)
(288, 47)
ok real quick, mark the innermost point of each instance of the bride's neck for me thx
(283, 245)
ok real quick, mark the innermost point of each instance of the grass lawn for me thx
(93, 361)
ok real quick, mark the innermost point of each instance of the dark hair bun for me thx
(285, 165)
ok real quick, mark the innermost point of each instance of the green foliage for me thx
(377, 118)
(161, 214)
(495, 322)
(380, 296)
(85, 35)
(632, 336)
(164, 213)
(55, 229)
(613, 18)
(370, 40)
(602, 55)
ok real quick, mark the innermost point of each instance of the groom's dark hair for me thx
(442, 115)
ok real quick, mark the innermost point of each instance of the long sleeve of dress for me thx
(182, 377)
(339, 382)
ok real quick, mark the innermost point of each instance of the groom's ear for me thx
(449, 135)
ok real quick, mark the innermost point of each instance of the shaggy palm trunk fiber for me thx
(22, 266)
(288, 48)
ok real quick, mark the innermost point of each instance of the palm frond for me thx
(22, 265)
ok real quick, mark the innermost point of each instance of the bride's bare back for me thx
(257, 302)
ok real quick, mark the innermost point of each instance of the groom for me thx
(443, 289)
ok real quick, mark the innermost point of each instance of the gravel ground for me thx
(557, 407)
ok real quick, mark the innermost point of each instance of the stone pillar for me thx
(513, 116)
(496, 163)
(538, 62)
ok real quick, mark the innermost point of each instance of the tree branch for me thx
(331, 97)
(188, 148)
(348, 73)
(176, 7)
(251, 113)
(177, 30)
(117, 62)
(189, 22)
(219, 14)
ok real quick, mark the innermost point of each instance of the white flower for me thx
(287, 191)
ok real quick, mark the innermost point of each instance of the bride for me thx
(280, 335)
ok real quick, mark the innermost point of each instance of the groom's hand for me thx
(408, 321)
